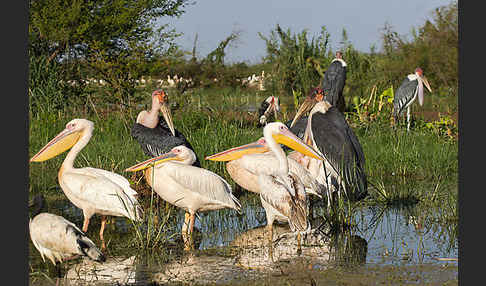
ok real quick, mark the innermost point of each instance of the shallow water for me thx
(231, 248)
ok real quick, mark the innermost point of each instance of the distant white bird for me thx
(57, 238)
(95, 191)
(188, 187)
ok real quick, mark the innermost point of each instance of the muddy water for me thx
(232, 249)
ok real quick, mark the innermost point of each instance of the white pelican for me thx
(411, 88)
(245, 163)
(188, 187)
(156, 134)
(57, 238)
(328, 132)
(95, 191)
(281, 192)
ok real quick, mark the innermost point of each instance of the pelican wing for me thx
(116, 178)
(203, 182)
(338, 143)
(286, 196)
(333, 82)
(159, 140)
(102, 193)
(404, 95)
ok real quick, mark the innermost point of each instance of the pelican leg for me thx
(102, 229)
(299, 245)
(184, 231)
(191, 228)
(85, 224)
(270, 240)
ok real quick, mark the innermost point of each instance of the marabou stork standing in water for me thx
(188, 187)
(328, 132)
(282, 192)
(411, 88)
(268, 107)
(95, 191)
(333, 82)
(156, 134)
(57, 238)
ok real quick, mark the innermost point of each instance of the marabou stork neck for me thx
(94, 191)
(268, 107)
(156, 134)
(334, 80)
(188, 187)
(57, 238)
(328, 132)
(411, 88)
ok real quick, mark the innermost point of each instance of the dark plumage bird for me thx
(156, 134)
(333, 82)
(270, 106)
(57, 238)
(411, 88)
(328, 132)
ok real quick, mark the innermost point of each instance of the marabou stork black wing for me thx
(159, 140)
(404, 95)
(299, 127)
(338, 143)
(333, 82)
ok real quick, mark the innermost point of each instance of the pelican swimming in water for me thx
(94, 191)
(328, 132)
(156, 134)
(188, 187)
(57, 238)
(282, 193)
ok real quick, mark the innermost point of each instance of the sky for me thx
(214, 20)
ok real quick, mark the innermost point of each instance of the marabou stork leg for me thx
(408, 118)
(102, 229)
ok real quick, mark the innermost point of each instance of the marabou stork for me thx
(156, 134)
(188, 187)
(95, 191)
(333, 82)
(411, 87)
(328, 132)
(267, 107)
(282, 193)
(57, 238)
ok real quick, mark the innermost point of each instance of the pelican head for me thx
(274, 133)
(316, 95)
(420, 75)
(180, 154)
(160, 98)
(64, 140)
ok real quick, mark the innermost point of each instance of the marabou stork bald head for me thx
(315, 95)
(161, 99)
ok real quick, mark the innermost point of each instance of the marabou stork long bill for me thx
(194, 189)
(282, 192)
(94, 191)
(156, 134)
(328, 132)
(411, 88)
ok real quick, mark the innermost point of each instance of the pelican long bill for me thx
(152, 162)
(237, 152)
(288, 139)
(62, 142)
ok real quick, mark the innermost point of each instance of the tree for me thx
(113, 39)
